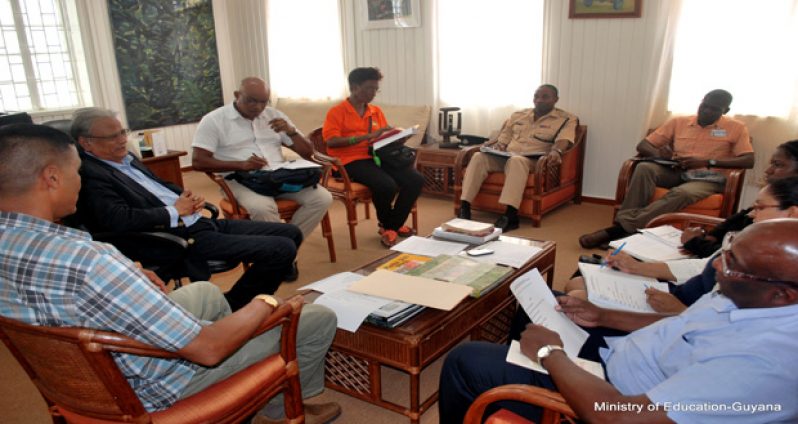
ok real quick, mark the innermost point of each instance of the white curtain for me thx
(488, 58)
(305, 56)
(745, 47)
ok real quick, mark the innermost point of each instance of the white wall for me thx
(605, 69)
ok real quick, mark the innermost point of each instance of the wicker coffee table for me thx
(355, 359)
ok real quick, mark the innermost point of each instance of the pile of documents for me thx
(467, 231)
(480, 276)
(618, 290)
(653, 244)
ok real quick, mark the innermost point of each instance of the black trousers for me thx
(269, 247)
(386, 184)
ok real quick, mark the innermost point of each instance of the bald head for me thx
(252, 97)
(763, 251)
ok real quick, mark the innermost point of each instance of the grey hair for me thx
(84, 118)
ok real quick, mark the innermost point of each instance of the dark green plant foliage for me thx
(167, 60)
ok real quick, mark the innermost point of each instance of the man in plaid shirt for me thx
(56, 276)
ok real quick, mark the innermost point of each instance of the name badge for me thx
(718, 133)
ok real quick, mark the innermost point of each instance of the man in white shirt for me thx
(248, 135)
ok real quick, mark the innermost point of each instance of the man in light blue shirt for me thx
(730, 357)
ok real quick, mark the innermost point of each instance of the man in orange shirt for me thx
(707, 140)
(349, 128)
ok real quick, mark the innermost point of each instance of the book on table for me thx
(612, 289)
(480, 276)
(469, 227)
(405, 262)
(439, 232)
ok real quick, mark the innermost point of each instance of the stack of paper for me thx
(469, 227)
(649, 249)
(439, 232)
(618, 290)
(428, 247)
(667, 234)
(510, 254)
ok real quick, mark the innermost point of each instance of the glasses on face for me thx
(728, 272)
(123, 133)
(758, 207)
(251, 101)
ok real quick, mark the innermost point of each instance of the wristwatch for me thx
(269, 300)
(545, 351)
(558, 150)
(712, 163)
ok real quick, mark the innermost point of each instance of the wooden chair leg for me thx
(414, 212)
(326, 231)
(351, 218)
(367, 208)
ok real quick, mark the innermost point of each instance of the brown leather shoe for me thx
(595, 239)
(320, 413)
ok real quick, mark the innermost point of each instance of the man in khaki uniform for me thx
(544, 129)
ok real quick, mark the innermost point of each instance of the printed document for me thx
(493, 151)
(618, 290)
(510, 254)
(350, 308)
(538, 302)
(339, 281)
(429, 247)
(514, 356)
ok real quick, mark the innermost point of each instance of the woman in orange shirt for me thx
(348, 129)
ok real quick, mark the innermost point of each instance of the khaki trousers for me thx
(315, 334)
(636, 212)
(314, 203)
(516, 171)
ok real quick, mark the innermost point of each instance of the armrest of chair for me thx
(683, 220)
(214, 211)
(336, 164)
(461, 162)
(732, 191)
(228, 193)
(552, 402)
(155, 239)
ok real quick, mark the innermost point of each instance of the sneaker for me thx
(506, 223)
(389, 238)
(405, 231)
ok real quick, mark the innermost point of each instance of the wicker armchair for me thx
(75, 372)
(547, 187)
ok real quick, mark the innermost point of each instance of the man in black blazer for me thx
(119, 194)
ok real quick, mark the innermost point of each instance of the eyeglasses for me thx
(114, 136)
(757, 207)
(728, 272)
(253, 101)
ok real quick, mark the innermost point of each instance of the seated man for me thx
(248, 135)
(120, 194)
(728, 358)
(706, 140)
(544, 129)
(57, 276)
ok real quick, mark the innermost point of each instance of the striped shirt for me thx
(56, 276)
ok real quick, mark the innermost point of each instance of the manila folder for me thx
(419, 290)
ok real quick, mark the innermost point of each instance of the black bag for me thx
(272, 183)
(394, 156)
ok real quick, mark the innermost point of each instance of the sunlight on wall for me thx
(755, 61)
(305, 54)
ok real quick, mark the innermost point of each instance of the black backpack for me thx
(272, 183)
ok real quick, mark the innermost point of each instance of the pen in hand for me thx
(614, 252)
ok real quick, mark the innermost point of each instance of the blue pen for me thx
(614, 252)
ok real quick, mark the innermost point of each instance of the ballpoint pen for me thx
(614, 252)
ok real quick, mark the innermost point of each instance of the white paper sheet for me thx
(538, 302)
(667, 234)
(648, 248)
(514, 356)
(351, 308)
(618, 290)
(159, 144)
(294, 164)
(429, 247)
(510, 254)
(339, 281)
(407, 132)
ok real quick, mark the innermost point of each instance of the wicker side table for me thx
(437, 167)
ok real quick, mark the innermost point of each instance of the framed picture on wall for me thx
(581, 9)
(391, 14)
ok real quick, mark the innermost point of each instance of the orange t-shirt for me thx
(343, 121)
(725, 139)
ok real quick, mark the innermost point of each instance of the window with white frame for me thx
(305, 49)
(741, 46)
(41, 57)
